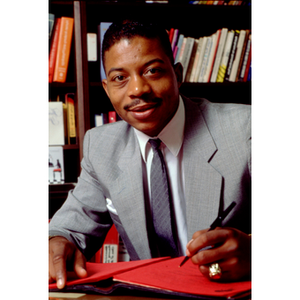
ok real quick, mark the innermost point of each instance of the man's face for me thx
(142, 84)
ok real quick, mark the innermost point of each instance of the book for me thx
(109, 251)
(246, 39)
(92, 46)
(237, 56)
(225, 57)
(205, 59)
(180, 54)
(219, 54)
(245, 59)
(71, 124)
(103, 27)
(179, 44)
(51, 24)
(53, 49)
(196, 60)
(175, 39)
(200, 59)
(112, 116)
(187, 55)
(63, 49)
(171, 33)
(160, 276)
(56, 165)
(245, 78)
(212, 55)
(191, 61)
(56, 123)
(232, 55)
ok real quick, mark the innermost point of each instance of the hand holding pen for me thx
(229, 257)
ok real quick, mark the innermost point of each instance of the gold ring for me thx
(215, 271)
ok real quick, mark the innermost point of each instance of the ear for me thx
(179, 73)
(104, 84)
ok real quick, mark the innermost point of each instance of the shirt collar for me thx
(171, 135)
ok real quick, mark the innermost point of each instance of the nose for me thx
(138, 86)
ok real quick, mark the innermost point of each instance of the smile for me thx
(141, 112)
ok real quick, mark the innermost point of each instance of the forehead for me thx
(137, 48)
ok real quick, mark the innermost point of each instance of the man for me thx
(206, 151)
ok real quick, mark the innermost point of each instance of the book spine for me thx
(110, 247)
(186, 55)
(232, 55)
(191, 62)
(174, 40)
(225, 57)
(171, 33)
(179, 45)
(53, 49)
(242, 55)
(219, 55)
(248, 66)
(212, 56)
(182, 49)
(205, 59)
(196, 61)
(237, 57)
(201, 55)
(112, 117)
(245, 60)
(69, 100)
(63, 50)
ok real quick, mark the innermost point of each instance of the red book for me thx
(171, 33)
(112, 116)
(160, 275)
(110, 248)
(53, 49)
(63, 49)
(248, 65)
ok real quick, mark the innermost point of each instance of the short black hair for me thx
(128, 29)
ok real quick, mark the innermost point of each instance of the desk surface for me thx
(80, 296)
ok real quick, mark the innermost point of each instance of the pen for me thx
(217, 222)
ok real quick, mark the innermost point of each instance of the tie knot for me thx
(155, 143)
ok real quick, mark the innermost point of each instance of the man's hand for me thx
(63, 256)
(231, 250)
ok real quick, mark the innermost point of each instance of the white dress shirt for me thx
(171, 147)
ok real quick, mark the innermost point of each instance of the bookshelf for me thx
(84, 77)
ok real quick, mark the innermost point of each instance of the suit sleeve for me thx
(84, 219)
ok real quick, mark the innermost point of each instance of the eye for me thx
(153, 71)
(118, 78)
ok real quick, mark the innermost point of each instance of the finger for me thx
(228, 270)
(80, 264)
(208, 238)
(59, 270)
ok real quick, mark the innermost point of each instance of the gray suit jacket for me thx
(216, 156)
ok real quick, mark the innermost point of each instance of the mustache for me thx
(138, 101)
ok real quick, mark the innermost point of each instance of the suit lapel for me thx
(202, 182)
(128, 197)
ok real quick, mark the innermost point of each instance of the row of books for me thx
(62, 125)
(60, 39)
(222, 56)
(226, 2)
(105, 118)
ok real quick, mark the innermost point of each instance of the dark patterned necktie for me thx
(160, 198)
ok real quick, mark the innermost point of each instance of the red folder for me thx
(161, 275)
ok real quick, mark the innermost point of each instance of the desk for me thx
(80, 296)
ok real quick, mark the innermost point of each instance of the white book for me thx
(56, 123)
(92, 46)
(191, 61)
(179, 44)
(201, 55)
(196, 60)
(98, 120)
(212, 55)
(237, 57)
(225, 57)
(187, 55)
(56, 165)
(219, 55)
(205, 58)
